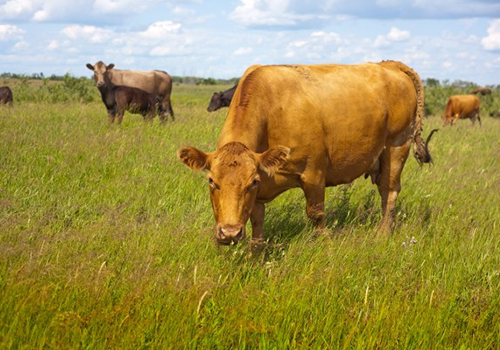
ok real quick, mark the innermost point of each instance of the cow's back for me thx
(465, 105)
(339, 115)
(155, 82)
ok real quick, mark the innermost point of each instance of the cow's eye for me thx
(212, 184)
(254, 184)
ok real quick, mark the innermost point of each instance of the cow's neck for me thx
(242, 126)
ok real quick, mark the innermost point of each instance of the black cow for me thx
(221, 99)
(6, 96)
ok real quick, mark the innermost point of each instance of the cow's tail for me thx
(421, 152)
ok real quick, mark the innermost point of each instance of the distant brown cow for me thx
(462, 107)
(221, 99)
(6, 96)
(482, 91)
(156, 82)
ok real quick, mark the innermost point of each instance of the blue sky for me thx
(441, 39)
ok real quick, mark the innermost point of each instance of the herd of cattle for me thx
(307, 126)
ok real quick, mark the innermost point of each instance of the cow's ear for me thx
(89, 66)
(273, 159)
(194, 158)
(110, 66)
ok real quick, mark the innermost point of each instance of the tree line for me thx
(63, 88)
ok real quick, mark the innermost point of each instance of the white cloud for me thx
(398, 35)
(243, 51)
(10, 32)
(121, 6)
(394, 35)
(88, 33)
(492, 41)
(79, 11)
(266, 13)
(15, 8)
(53, 45)
(326, 37)
(158, 30)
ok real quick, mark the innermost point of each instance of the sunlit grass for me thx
(106, 242)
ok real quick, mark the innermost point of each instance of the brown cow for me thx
(156, 82)
(311, 126)
(6, 96)
(462, 107)
(221, 99)
(482, 91)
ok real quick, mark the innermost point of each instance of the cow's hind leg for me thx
(477, 117)
(166, 110)
(392, 161)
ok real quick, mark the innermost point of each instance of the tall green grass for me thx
(106, 242)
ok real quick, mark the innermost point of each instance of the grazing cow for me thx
(156, 82)
(482, 91)
(6, 96)
(311, 126)
(462, 107)
(221, 99)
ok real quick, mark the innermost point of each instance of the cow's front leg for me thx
(111, 117)
(257, 220)
(315, 203)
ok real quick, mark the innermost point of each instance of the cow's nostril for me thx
(239, 234)
(222, 233)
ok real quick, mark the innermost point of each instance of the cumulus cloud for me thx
(162, 38)
(10, 32)
(492, 41)
(15, 8)
(298, 13)
(266, 13)
(78, 11)
(159, 30)
(91, 34)
(394, 35)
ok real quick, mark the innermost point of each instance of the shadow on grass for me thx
(348, 209)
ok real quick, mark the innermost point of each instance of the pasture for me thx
(106, 242)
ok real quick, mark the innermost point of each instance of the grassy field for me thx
(106, 243)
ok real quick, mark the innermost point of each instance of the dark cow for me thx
(462, 107)
(6, 96)
(156, 82)
(221, 99)
(311, 126)
(118, 99)
(482, 91)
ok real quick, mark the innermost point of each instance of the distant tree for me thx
(431, 82)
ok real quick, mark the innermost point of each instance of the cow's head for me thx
(100, 72)
(234, 176)
(215, 102)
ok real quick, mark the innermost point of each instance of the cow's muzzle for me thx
(229, 234)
